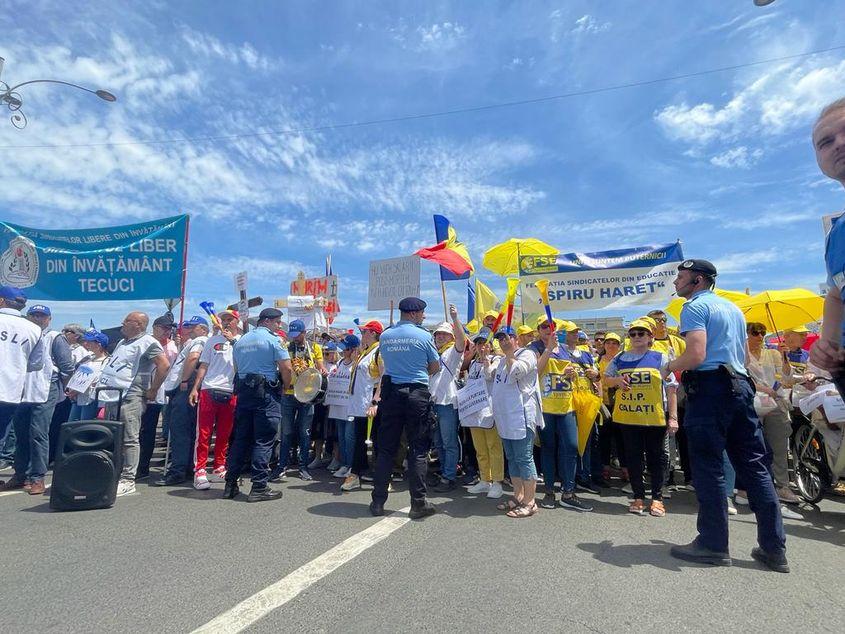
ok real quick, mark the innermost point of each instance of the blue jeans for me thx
(345, 440)
(720, 416)
(32, 430)
(446, 439)
(7, 431)
(730, 475)
(520, 455)
(296, 422)
(83, 412)
(183, 430)
(559, 448)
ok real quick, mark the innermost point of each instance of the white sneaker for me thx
(304, 475)
(218, 475)
(731, 507)
(201, 482)
(480, 487)
(789, 514)
(334, 465)
(316, 463)
(627, 489)
(125, 487)
(342, 472)
(351, 483)
(495, 491)
(741, 499)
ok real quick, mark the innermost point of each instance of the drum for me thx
(310, 386)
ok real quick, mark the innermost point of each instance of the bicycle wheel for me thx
(808, 477)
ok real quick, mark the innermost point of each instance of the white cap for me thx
(445, 327)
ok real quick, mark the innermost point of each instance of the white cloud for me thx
(588, 24)
(747, 262)
(440, 37)
(777, 101)
(209, 46)
(266, 269)
(737, 157)
(771, 219)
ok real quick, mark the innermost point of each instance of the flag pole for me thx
(521, 293)
(184, 275)
(445, 305)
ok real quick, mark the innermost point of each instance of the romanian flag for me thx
(451, 255)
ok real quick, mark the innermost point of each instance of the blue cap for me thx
(196, 320)
(12, 293)
(582, 335)
(506, 330)
(331, 346)
(39, 308)
(484, 334)
(296, 328)
(96, 335)
(349, 342)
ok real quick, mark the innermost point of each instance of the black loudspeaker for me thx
(88, 464)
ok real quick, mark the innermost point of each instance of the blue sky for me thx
(721, 161)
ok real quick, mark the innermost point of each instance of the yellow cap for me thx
(524, 330)
(491, 313)
(643, 323)
(612, 336)
(801, 330)
(568, 326)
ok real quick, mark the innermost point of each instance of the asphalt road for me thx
(171, 560)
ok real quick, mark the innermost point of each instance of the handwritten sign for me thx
(473, 398)
(84, 377)
(337, 392)
(392, 280)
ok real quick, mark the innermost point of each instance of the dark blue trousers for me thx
(257, 418)
(720, 416)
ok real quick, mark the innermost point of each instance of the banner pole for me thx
(521, 294)
(391, 312)
(445, 305)
(184, 274)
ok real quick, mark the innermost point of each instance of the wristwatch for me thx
(374, 402)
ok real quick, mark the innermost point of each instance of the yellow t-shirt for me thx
(556, 388)
(300, 360)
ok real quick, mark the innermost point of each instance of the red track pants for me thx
(211, 412)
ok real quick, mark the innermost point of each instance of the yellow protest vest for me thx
(556, 388)
(643, 403)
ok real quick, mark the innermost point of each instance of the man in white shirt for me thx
(162, 331)
(130, 371)
(450, 341)
(213, 394)
(21, 352)
(42, 390)
(180, 414)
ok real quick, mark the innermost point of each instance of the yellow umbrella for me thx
(587, 406)
(503, 258)
(674, 307)
(782, 310)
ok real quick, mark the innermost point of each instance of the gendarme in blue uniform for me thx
(406, 350)
(834, 259)
(720, 417)
(725, 327)
(257, 352)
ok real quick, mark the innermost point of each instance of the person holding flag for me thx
(450, 341)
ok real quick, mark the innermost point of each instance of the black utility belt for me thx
(722, 370)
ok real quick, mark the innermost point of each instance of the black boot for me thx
(699, 554)
(420, 511)
(262, 495)
(231, 490)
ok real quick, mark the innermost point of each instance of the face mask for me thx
(561, 337)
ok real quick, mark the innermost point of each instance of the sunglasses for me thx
(659, 320)
(638, 333)
(599, 339)
(757, 333)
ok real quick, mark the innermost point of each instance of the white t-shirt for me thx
(342, 370)
(220, 373)
(174, 376)
(20, 351)
(363, 384)
(442, 385)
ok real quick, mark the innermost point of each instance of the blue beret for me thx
(412, 305)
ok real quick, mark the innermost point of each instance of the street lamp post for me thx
(11, 98)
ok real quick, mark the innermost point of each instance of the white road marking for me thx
(272, 597)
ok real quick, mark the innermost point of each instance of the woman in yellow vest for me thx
(642, 403)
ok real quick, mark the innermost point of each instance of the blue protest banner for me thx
(622, 277)
(140, 261)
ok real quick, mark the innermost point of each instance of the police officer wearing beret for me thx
(720, 416)
(260, 360)
(410, 358)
